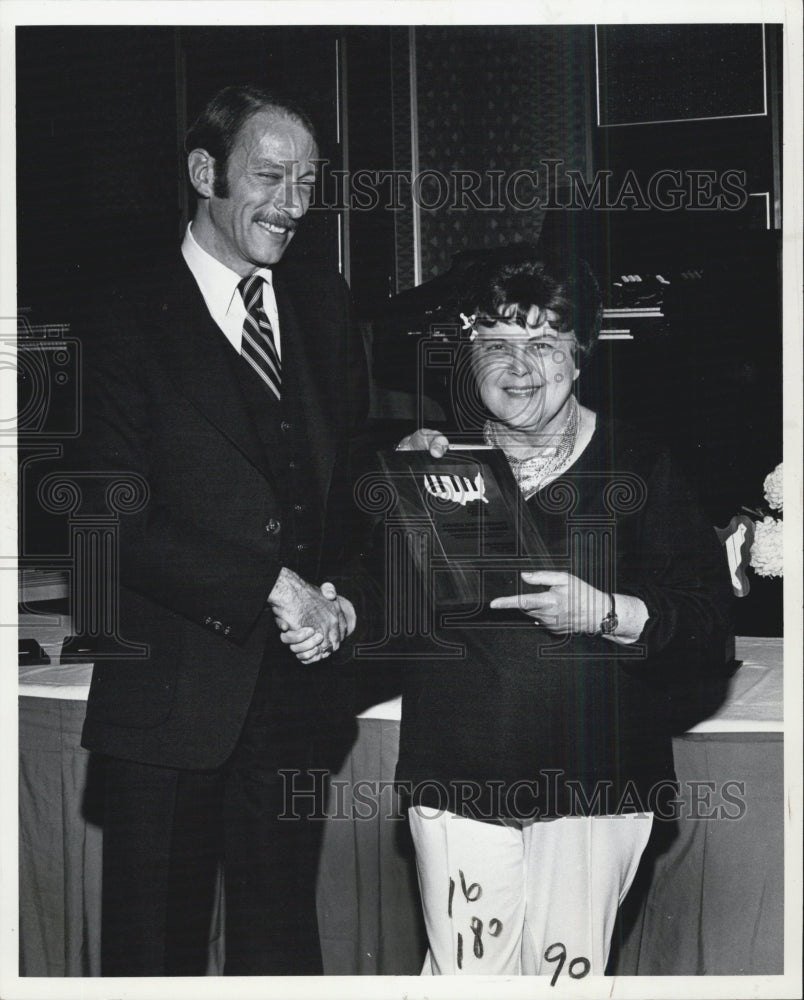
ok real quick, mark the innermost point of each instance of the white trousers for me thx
(537, 899)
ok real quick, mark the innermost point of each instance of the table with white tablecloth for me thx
(709, 902)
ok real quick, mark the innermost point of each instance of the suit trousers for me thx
(166, 832)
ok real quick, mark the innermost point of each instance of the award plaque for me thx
(467, 526)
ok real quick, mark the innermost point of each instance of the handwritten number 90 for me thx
(578, 967)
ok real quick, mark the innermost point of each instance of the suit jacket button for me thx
(272, 526)
(208, 620)
(302, 546)
(227, 630)
(217, 626)
(285, 425)
(298, 507)
(291, 465)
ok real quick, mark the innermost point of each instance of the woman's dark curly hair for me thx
(544, 279)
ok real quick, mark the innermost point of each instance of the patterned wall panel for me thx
(494, 101)
(400, 99)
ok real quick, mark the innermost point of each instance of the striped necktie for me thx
(258, 346)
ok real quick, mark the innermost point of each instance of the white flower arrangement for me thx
(774, 488)
(767, 551)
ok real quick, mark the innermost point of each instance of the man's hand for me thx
(313, 621)
(425, 439)
(568, 605)
(299, 605)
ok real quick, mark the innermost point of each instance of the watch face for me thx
(609, 623)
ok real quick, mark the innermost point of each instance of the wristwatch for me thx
(610, 621)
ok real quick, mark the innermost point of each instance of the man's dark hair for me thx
(217, 127)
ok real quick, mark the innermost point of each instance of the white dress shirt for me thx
(218, 285)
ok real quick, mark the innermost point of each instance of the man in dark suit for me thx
(229, 384)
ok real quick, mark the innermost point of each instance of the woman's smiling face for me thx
(525, 375)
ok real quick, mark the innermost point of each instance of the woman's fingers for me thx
(568, 603)
(543, 600)
(305, 644)
(438, 446)
(547, 578)
(291, 635)
(525, 602)
(425, 439)
(308, 644)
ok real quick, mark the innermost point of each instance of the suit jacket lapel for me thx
(201, 363)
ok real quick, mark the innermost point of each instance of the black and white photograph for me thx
(402, 490)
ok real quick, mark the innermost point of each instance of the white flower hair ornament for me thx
(469, 324)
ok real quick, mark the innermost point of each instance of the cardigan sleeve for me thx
(678, 568)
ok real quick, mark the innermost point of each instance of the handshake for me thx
(313, 621)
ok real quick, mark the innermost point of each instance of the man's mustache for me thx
(283, 221)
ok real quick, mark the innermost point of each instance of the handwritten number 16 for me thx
(578, 967)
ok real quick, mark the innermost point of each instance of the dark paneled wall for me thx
(496, 98)
(96, 156)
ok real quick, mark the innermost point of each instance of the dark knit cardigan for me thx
(528, 724)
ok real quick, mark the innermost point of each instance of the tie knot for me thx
(250, 289)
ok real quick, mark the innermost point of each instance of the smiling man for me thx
(251, 201)
(228, 381)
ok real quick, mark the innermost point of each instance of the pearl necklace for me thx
(531, 472)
